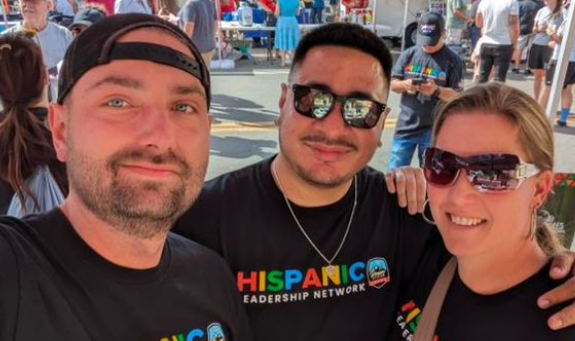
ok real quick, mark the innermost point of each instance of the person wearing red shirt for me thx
(228, 6)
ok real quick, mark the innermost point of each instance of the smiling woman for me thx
(489, 171)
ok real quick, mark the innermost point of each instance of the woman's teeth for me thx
(465, 221)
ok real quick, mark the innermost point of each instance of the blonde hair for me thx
(535, 134)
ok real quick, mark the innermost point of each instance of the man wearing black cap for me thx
(425, 75)
(132, 125)
(87, 16)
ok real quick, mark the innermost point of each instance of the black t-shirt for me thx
(444, 67)
(53, 286)
(283, 282)
(6, 195)
(466, 316)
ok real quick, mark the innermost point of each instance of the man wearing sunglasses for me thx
(312, 235)
(424, 75)
(319, 248)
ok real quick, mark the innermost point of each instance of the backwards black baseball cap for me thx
(98, 46)
(430, 29)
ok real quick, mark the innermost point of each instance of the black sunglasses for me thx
(486, 172)
(317, 103)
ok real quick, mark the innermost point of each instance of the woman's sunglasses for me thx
(317, 103)
(486, 172)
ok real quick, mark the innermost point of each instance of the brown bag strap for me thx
(426, 326)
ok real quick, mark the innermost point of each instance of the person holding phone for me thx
(424, 75)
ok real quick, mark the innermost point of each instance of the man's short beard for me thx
(311, 177)
(125, 204)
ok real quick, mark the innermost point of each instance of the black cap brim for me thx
(427, 40)
(81, 22)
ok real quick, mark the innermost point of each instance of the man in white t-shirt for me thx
(52, 38)
(499, 23)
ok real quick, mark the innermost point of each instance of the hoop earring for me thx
(533, 231)
(427, 220)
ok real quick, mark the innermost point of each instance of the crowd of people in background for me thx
(503, 34)
(511, 34)
(99, 205)
(104, 264)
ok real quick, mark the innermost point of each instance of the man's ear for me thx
(283, 95)
(543, 188)
(58, 119)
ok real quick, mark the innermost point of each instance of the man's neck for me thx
(495, 272)
(37, 26)
(109, 242)
(301, 192)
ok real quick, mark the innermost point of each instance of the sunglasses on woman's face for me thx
(486, 172)
(316, 103)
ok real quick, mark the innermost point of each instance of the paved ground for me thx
(245, 106)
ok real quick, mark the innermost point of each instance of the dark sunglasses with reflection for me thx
(357, 111)
(493, 173)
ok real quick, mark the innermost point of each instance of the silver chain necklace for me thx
(331, 270)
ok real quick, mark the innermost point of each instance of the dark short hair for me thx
(345, 35)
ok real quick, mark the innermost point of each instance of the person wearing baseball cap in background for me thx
(88, 15)
(424, 75)
(132, 124)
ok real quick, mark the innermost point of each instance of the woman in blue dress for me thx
(287, 29)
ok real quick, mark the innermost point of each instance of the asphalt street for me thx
(245, 105)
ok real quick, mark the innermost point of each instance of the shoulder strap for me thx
(426, 326)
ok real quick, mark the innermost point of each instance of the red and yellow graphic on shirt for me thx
(408, 320)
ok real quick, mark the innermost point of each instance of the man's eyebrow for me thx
(188, 90)
(359, 94)
(118, 81)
